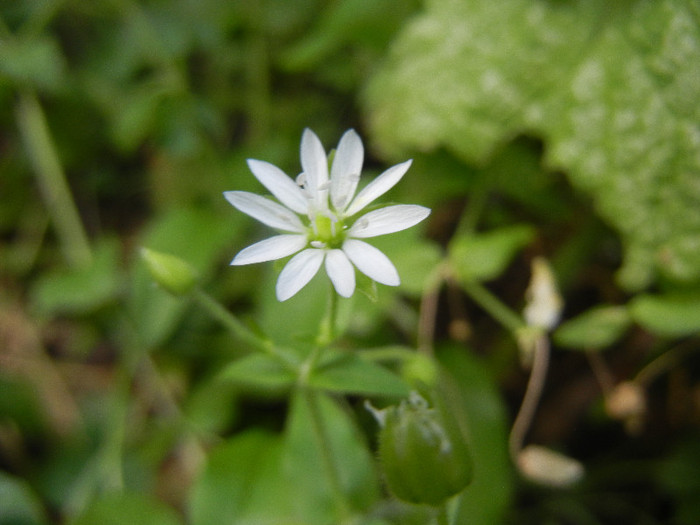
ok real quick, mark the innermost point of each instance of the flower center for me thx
(327, 232)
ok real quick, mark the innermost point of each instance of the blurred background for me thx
(123, 121)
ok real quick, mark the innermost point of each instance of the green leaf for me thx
(594, 329)
(477, 406)
(667, 315)
(81, 290)
(348, 373)
(243, 483)
(306, 465)
(19, 505)
(260, 373)
(36, 63)
(484, 256)
(119, 508)
(415, 258)
(610, 86)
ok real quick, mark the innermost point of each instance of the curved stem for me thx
(535, 384)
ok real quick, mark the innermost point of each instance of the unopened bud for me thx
(548, 467)
(627, 403)
(422, 459)
(544, 304)
(170, 272)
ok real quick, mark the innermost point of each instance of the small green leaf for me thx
(415, 258)
(350, 374)
(84, 289)
(594, 329)
(120, 508)
(18, 503)
(667, 315)
(259, 372)
(36, 63)
(484, 256)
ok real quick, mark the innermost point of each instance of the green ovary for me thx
(328, 232)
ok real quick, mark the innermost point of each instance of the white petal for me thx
(340, 272)
(372, 262)
(347, 166)
(280, 185)
(298, 272)
(315, 165)
(270, 249)
(378, 187)
(388, 220)
(265, 210)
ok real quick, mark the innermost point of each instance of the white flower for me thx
(316, 217)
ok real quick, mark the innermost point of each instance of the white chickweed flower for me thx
(316, 217)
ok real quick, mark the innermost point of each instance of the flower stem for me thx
(52, 180)
(237, 328)
(497, 309)
(326, 332)
(442, 518)
(538, 374)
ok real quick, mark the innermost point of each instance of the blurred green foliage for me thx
(567, 129)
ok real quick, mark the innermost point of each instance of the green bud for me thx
(420, 369)
(424, 460)
(170, 272)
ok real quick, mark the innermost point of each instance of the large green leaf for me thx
(612, 87)
(137, 509)
(473, 396)
(349, 373)
(243, 483)
(307, 457)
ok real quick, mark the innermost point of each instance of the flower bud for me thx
(424, 460)
(544, 304)
(548, 467)
(172, 273)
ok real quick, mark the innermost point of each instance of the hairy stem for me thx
(52, 180)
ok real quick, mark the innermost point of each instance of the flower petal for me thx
(280, 185)
(372, 262)
(270, 249)
(346, 169)
(315, 165)
(298, 272)
(340, 272)
(378, 187)
(388, 220)
(266, 211)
